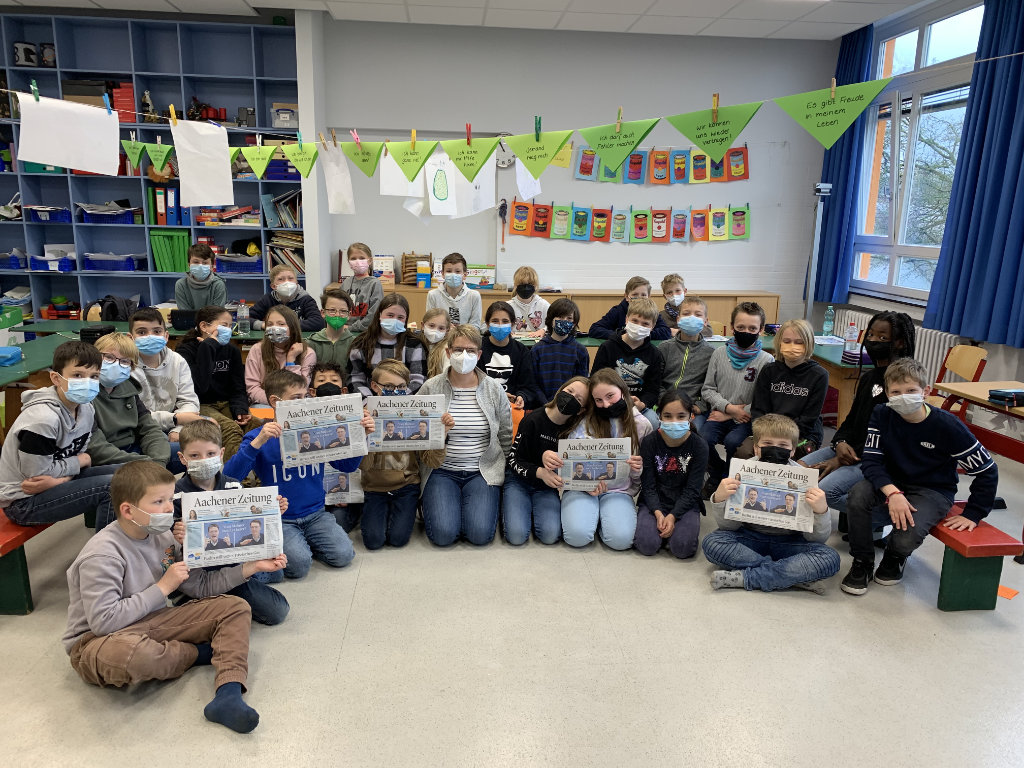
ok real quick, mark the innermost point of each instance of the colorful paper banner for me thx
(302, 156)
(614, 147)
(410, 160)
(258, 158)
(158, 154)
(825, 118)
(537, 155)
(713, 138)
(134, 150)
(365, 156)
(470, 158)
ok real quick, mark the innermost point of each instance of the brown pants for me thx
(162, 645)
(230, 430)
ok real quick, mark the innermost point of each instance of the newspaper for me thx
(342, 487)
(406, 423)
(321, 429)
(587, 462)
(771, 494)
(227, 527)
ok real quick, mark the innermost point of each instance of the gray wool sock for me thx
(727, 579)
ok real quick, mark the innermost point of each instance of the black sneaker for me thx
(710, 486)
(890, 570)
(856, 581)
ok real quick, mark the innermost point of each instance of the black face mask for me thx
(878, 350)
(328, 390)
(566, 404)
(525, 291)
(615, 410)
(775, 455)
(743, 339)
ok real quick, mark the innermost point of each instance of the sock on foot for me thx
(817, 587)
(227, 708)
(727, 580)
(205, 656)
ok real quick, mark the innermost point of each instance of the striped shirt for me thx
(413, 355)
(470, 436)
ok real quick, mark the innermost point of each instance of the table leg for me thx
(844, 380)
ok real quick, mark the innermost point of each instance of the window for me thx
(910, 150)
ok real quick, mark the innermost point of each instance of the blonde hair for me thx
(470, 332)
(392, 366)
(643, 308)
(279, 269)
(430, 314)
(360, 247)
(906, 369)
(777, 426)
(121, 344)
(635, 282)
(695, 301)
(525, 275)
(803, 330)
(672, 279)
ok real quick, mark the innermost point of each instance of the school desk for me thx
(46, 327)
(976, 393)
(30, 373)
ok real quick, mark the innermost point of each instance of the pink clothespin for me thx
(355, 138)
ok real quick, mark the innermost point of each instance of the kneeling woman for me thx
(460, 498)
(612, 414)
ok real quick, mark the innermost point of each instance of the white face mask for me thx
(205, 469)
(677, 299)
(464, 362)
(433, 335)
(159, 522)
(906, 404)
(637, 332)
(287, 289)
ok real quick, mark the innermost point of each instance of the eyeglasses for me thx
(124, 362)
(337, 312)
(469, 350)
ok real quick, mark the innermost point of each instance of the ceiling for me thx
(786, 19)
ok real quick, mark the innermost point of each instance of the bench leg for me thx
(15, 591)
(969, 583)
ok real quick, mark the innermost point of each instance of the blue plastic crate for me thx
(59, 216)
(252, 267)
(119, 217)
(126, 264)
(43, 265)
(15, 262)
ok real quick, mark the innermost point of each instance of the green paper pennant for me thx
(715, 138)
(410, 160)
(235, 152)
(536, 156)
(470, 158)
(366, 158)
(302, 156)
(825, 118)
(614, 147)
(159, 153)
(134, 149)
(258, 158)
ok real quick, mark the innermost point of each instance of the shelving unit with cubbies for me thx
(226, 65)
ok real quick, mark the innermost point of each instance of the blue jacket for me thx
(614, 321)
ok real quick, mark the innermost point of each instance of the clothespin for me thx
(536, 127)
(714, 108)
(131, 136)
(618, 122)
(159, 139)
(35, 90)
(106, 101)
(413, 140)
(386, 147)
(355, 138)
(334, 138)
(259, 140)
(833, 89)
(298, 136)
(323, 142)
(469, 134)
(174, 117)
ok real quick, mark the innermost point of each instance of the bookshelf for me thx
(229, 66)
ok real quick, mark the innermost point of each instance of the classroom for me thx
(387, 358)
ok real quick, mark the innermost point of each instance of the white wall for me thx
(385, 79)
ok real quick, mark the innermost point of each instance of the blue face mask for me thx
(564, 327)
(151, 345)
(691, 325)
(223, 334)
(112, 374)
(500, 332)
(675, 429)
(453, 280)
(392, 326)
(199, 271)
(82, 391)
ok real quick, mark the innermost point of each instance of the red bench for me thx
(971, 565)
(15, 590)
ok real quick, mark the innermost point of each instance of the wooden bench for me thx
(971, 565)
(15, 590)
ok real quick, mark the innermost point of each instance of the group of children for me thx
(82, 444)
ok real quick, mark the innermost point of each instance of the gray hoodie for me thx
(167, 388)
(725, 385)
(464, 309)
(686, 366)
(45, 439)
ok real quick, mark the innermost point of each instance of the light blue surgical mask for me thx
(199, 271)
(112, 374)
(151, 345)
(453, 280)
(392, 325)
(82, 391)
(499, 332)
(675, 429)
(159, 522)
(691, 325)
(223, 334)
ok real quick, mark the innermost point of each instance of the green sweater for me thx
(121, 421)
(336, 352)
(191, 297)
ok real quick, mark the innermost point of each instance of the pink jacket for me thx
(254, 372)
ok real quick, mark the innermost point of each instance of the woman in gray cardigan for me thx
(461, 497)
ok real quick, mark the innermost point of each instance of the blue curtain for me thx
(978, 290)
(841, 169)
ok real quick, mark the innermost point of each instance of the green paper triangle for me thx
(825, 118)
(470, 158)
(715, 138)
(614, 147)
(366, 158)
(409, 160)
(235, 152)
(302, 156)
(134, 149)
(158, 154)
(536, 156)
(258, 158)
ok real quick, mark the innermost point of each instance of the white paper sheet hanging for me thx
(393, 181)
(418, 206)
(204, 163)
(55, 132)
(439, 173)
(337, 177)
(529, 187)
(472, 197)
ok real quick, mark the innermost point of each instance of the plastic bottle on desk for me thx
(852, 337)
(829, 325)
(244, 326)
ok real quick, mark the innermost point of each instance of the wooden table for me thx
(47, 327)
(30, 373)
(976, 393)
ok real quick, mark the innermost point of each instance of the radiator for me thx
(932, 346)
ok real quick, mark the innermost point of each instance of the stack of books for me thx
(283, 211)
(170, 250)
(228, 216)
(286, 247)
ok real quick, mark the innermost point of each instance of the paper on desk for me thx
(529, 187)
(441, 173)
(56, 132)
(829, 340)
(478, 195)
(393, 181)
(203, 164)
(340, 198)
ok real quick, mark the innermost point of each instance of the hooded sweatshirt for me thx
(366, 294)
(641, 368)
(686, 367)
(45, 439)
(615, 319)
(464, 309)
(192, 295)
(302, 303)
(530, 315)
(336, 352)
(167, 388)
(797, 392)
(512, 367)
(255, 372)
(122, 420)
(217, 373)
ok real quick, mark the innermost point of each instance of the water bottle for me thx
(244, 326)
(852, 336)
(830, 321)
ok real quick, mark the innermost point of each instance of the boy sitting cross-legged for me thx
(309, 529)
(120, 630)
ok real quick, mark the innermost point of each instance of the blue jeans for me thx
(460, 504)
(388, 517)
(652, 416)
(315, 535)
(728, 433)
(522, 503)
(89, 489)
(582, 512)
(835, 484)
(770, 562)
(268, 605)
